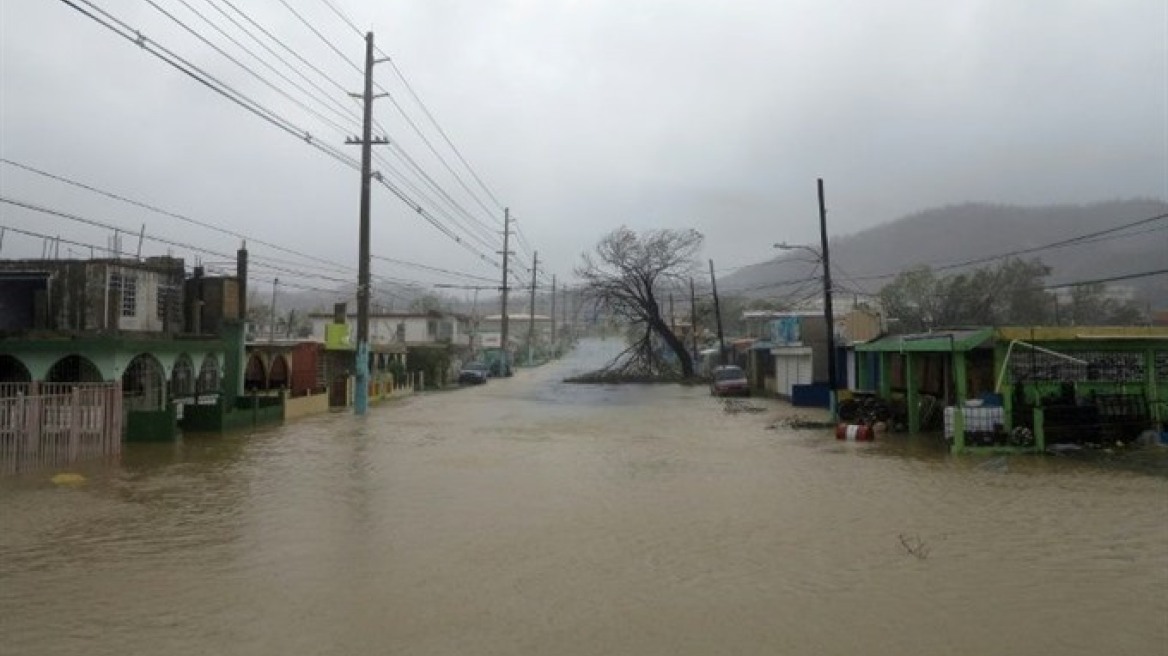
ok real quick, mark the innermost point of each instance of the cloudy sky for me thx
(580, 115)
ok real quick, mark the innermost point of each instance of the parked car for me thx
(727, 380)
(473, 373)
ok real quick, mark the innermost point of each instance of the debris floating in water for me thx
(68, 479)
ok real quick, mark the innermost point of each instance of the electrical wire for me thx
(345, 112)
(401, 110)
(1088, 238)
(330, 265)
(159, 51)
(154, 48)
(417, 99)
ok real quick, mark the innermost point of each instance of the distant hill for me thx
(960, 233)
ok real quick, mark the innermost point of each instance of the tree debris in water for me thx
(914, 545)
(735, 406)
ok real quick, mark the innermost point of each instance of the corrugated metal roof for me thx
(938, 341)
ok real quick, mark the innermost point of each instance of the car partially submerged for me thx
(729, 380)
(473, 373)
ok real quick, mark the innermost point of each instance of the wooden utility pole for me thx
(718, 316)
(272, 314)
(361, 396)
(827, 311)
(553, 312)
(505, 364)
(693, 318)
(531, 311)
(568, 331)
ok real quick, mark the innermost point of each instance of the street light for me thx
(823, 256)
(784, 246)
(829, 317)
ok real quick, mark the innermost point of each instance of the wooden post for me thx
(885, 375)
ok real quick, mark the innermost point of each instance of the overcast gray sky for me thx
(585, 115)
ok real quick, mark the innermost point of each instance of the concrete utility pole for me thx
(693, 318)
(827, 311)
(361, 397)
(531, 312)
(553, 312)
(718, 315)
(506, 286)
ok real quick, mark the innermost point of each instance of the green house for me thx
(1024, 388)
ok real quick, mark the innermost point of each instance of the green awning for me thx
(938, 341)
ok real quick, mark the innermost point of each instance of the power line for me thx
(345, 112)
(1091, 237)
(158, 210)
(154, 48)
(427, 267)
(409, 121)
(283, 45)
(425, 110)
(394, 102)
(1096, 281)
(184, 66)
(442, 132)
(245, 67)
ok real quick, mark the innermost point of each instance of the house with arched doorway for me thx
(126, 322)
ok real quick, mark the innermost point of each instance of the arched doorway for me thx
(182, 378)
(12, 370)
(255, 377)
(278, 375)
(208, 381)
(73, 369)
(14, 377)
(142, 384)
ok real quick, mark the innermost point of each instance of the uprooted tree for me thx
(625, 276)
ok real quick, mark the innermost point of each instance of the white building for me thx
(405, 328)
(491, 329)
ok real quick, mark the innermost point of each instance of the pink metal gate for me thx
(59, 424)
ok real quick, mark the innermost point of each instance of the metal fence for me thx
(60, 424)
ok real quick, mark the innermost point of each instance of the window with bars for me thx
(167, 298)
(127, 285)
(1078, 366)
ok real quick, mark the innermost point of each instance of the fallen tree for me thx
(624, 277)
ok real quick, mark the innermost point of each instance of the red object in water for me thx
(854, 433)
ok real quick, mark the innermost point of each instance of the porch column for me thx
(1151, 393)
(912, 395)
(885, 375)
(1007, 389)
(961, 391)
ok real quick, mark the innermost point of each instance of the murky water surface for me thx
(532, 517)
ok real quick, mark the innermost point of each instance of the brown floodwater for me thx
(528, 516)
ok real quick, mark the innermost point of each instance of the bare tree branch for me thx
(623, 276)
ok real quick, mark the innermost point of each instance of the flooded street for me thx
(528, 516)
